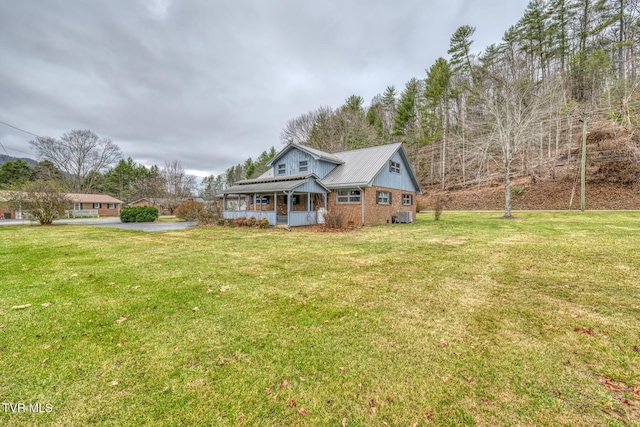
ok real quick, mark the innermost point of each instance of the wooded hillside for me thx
(515, 111)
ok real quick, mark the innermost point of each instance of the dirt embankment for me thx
(546, 195)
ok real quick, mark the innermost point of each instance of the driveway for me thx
(113, 222)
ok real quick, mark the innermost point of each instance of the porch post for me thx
(224, 203)
(308, 201)
(362, 203)
(275, 207)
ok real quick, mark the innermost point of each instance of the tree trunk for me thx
(507, 190)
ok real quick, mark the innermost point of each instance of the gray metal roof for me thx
(360, 166)
(272, 184)
(313, 151)
(265, 187)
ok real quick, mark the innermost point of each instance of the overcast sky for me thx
(208, 82)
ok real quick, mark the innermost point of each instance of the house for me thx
(94, 205)
(368, 186)
(5, 210)
(83, 205)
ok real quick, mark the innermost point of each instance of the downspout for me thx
(362, 202)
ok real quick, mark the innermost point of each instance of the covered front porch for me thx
(291, 201)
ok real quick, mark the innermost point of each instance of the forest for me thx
(519, 108)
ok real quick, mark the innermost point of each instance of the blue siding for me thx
(400, 181)
(292, 161)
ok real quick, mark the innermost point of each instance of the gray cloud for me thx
(211, 83)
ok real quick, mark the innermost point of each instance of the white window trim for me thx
(410, 197)
(303, 166)
(97, 206)
(348, 198)
(394, 167)
(383, 197)
(262, 200)
(282, 169)
(111, 205)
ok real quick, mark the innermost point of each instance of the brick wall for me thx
(103, 210)
(374, 213)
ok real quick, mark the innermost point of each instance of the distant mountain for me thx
(5, 158)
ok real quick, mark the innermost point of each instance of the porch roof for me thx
(275, 185)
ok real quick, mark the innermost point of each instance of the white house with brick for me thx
(368, 186)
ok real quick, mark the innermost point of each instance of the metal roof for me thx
(271, 184)
(318, 154)
(361, 166)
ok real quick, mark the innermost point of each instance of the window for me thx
(348, 196)
(282, 169)
(407, 199)
(97, 205)
(111, 205)
(77, 206)
(383, 197)
(262, 200)
(394, 167)
(303, 166)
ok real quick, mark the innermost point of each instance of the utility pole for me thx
(584, 164)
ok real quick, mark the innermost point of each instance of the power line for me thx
(21, 130)
(13, 149)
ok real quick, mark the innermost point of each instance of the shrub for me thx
(139, 214)
(263, 223)
(333, 219)
(437, 208)
(189, 210)
(210, 214)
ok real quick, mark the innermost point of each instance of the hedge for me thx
(139, 214)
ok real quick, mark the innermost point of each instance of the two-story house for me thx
(368, 186)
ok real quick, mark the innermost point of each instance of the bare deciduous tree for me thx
(42, 200)
(177, 184)
(80, 154)
(509, 105)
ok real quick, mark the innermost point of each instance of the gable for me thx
(402, 180)
(291, 162)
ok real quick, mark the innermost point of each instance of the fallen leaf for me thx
(21, 307)
(292, 403)
(209, 291)
(283, 384)
(443, 343)
(303, 302)
(302, 411)
(267, 390)
(389, 399)
(44, 361)
(74, 275)
(344, 422)
(341, 370)
(121, 319)
(224, 288)
(46, 304)
(175, 348)
(292, 327)
(113, 383)
(469, 379)
(135, 287)
(196, 309)
(635, 348)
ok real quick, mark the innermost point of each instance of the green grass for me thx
(470, 320)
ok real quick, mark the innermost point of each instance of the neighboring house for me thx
(83, 205)
(94, 205)
(5, 210)
(164, 206)
(368, 186)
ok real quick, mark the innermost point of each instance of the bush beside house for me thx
(139, 214)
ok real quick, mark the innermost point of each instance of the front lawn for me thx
(470, 320)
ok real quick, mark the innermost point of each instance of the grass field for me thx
(470, 320)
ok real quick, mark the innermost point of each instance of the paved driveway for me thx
(113, 222)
